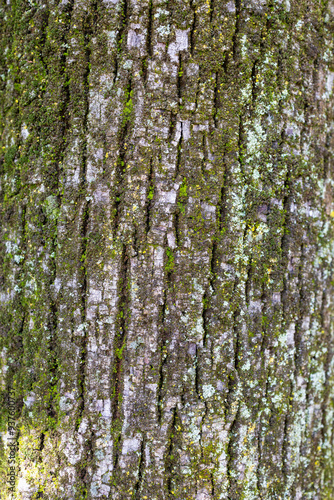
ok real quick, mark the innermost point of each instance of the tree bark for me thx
(167, 249)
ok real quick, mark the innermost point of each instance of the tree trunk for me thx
(167, 249)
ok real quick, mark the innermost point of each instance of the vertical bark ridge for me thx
(88, 30)
(55, 191)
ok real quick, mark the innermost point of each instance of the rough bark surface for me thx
(167, 248)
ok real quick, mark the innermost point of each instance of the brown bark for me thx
(167, 248)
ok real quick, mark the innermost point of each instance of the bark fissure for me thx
(149, 197)
(163, 354)
(121, 160)
(83, 300)
(88, 26)
(85, 466)
(231, 473)
(236, 336)
(63, 122)
(170, 458)
(149, 47)
(179, 153)
(212, 8)
(124, 19)
(141, 469)
(248, 282)
(205, 319)
(120, 348)
(172, 125)
(43, 38)
(193, 28)
(216, 100)
(197, 373)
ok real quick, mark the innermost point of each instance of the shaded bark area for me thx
(166, 300)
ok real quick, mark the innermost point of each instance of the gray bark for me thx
(167, 248)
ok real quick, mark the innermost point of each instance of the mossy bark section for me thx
(166, 242)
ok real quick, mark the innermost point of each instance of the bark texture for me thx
(167, 248)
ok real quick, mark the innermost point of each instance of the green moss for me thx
(170, 260)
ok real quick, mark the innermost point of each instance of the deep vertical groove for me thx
(179, 154)
(259, 464)
(135, 241)
(236, 334)
(216, 100)
(241, 144)
(149, 48)
(83, 299)
(63, 123)
(149, 197)
(253, 78)
(119, 347)
(212, 485)
(205, 319)
(222, 203)
(248, 282)
(122, 330)
(53, 359)
(83, 474)
(172, 125)
(163, 356)
(149, 29)
(297, 335)
(193, 27)
(221, 217)
(43, 38)
(205, 155)
(179, 209)
(213, 265)
(231, 455)
(124, 18)
(141, 469)
(170, 459)
(285, 241)
(120, 164)
(62, 131)
(176, 227)
(212, 8)
(197, 374)
(206, 411)
(225, 62)
(88, 26)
